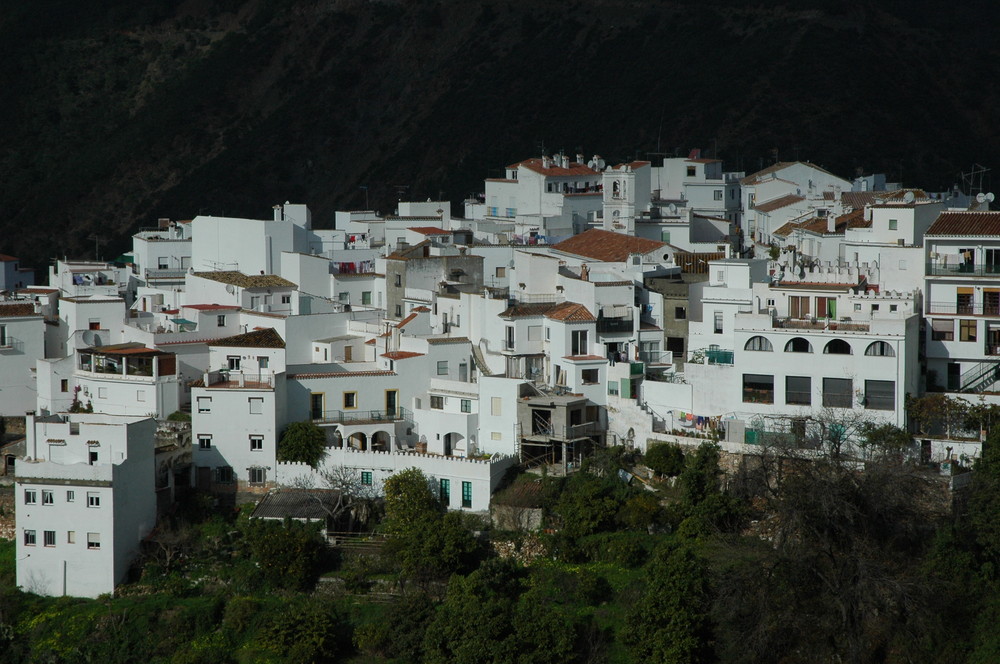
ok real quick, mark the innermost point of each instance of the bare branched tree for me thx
(340, 492)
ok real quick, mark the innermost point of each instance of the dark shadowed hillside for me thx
(114, 118)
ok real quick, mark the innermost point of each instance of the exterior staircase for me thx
(980, 377)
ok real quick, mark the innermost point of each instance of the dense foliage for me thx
(303, 442)
(781, 559)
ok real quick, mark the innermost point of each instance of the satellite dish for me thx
(980, 197)
(230, 289)
(990, 197)
(672, 207)
(908, 197)
(90, 337)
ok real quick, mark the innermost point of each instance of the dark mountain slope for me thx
(227, 108)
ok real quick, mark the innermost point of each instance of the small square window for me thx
(93, 499)
(220, 320)
(263, 361)
(204, 404)
(366, 477)
(256, 443)
(680, 313)
(893, 224)
(442, 368)
(857, 306)
(64, 385)
(71, 537)
(49, 538)
(437, 403)
(102, 393)
(30, 497)
(466, 405)
(350, 400)
(893, 307)
(398, 280)
(286, 299)
(204, 442)
(47, 497)
(257, 475)
(70, 496)
(496, 435)
(501, 272)
(93, 540)
(256, 405)
(224, 475)
(29, 538)
(140, 395)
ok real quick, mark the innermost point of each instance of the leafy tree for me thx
(665, 459)
(303, 632)
(700, 477)
(409, 499)
(287, 554)
(671, 622)
(426, 542)
(303, 442)
(587, 505)
(400, 632)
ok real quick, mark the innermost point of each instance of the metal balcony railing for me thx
(957, 268)
(964, 308)
(362, 416)
(623, 324)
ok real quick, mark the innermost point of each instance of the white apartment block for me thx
(85, 498)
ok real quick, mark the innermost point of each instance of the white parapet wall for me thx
(459, 475)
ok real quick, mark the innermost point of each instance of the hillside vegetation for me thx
(113, 118)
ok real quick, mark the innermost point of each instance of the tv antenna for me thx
(973, 180)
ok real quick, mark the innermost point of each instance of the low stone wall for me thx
(7, 513)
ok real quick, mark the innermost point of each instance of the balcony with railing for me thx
(362, 416)
(615, 324)
(818, 324)
(139, 364)
(238, 380)
(163, 273)
(544, 429)
(955, 266)
(11, 344)
(960, 308)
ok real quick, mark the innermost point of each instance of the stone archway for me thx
(451, 441)
(381, 441)
(358, 440)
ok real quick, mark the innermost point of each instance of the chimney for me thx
(584, 272)
(831, 222)
(579, 158)
(564, 160)
(546, 162)
(278, 213)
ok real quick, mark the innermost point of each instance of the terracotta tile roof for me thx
(632, 164)
(19, 309)
(6, 259)
(500, 180)
(407, 319)
(421, 309)
(575, 168)
(130, 348)
(413, 251)
(778, 203)
(570, 311)
(189, 341)
(210, 307)
(340, 374)
(434, 341)
(246, 280)
(966, 223)
(703, 161)
(37, 289)
(267, 338)
(429, 230)
(370, 342)
(582, 358)
(401, 354)
(606, 246)
(859, 199)
(818, 225)
(527, 310)
(265, 314)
